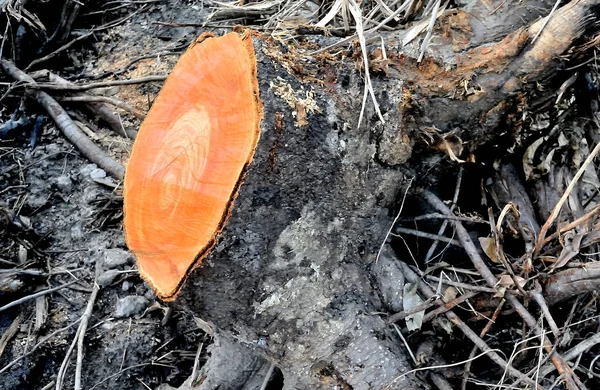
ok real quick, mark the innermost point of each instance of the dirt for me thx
(66, 222)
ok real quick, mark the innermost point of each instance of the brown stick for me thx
(563, 199)
(445, 306)
(89, 149)
(486, 329)
(573, 281)
(573, 224)
(572, 353)
(112, 120)
(405, 313)
(441, 216)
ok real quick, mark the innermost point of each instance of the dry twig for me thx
(445, 306)
(536, 294)
(87, 87)
(81, 333)
(461, 285)
(39, 344)
(89, 149)
(495, 227)
(442, 228)
(571, 379)
(481, 344)
(57, 51)
(37, 294)
(482, 334)
(431, 301)
(99, 109)
(431, 236)
(563, 199)
(573, 225)
(572, 353)
(395, 220)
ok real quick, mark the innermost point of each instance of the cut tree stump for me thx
(295, 276)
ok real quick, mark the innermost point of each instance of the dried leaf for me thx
(443, 323)
(489, 248)
(570, 250)
(507, 281)
(500, 292)
(449, 294)
(205, 326)
(528, 158)
(410, 300)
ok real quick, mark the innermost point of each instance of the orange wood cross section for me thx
(189, 159)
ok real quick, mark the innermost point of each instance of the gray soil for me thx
(63, 222)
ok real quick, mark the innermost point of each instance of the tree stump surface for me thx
(295, 275)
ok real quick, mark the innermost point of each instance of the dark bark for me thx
(294, 276)
(289, 275)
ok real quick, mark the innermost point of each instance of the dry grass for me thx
(358, 21)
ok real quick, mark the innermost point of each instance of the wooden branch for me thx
(571, 282)
(59, 50)
(572, 225)
(86, 87)
(89, 149)
(539, 299)
(35, 295)
(574, 352)
(563, 199)
(446, 306)
(100, 109)
(482, 334)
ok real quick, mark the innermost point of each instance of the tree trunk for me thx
(297, 275)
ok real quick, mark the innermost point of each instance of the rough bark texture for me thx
(289, 275)
(295, 275)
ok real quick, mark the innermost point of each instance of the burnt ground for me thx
(61, 218)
